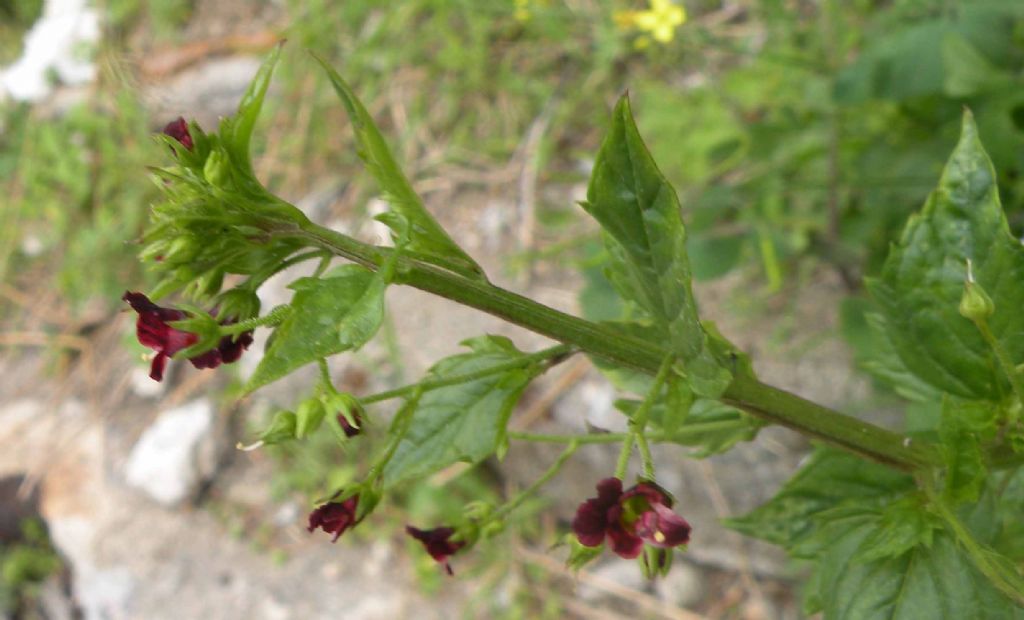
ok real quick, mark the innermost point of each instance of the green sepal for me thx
(281, 429)
(308, 417)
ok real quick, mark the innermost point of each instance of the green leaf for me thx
(922, 280)
(426, 235)
(965, 425)
(336, 313)
(236, 131)
(967, 71)
(463, 422)
(934, 581)
(903, 525)
(830, 480)
(639, 212)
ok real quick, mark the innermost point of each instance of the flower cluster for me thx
(630, 518)
(153, 330)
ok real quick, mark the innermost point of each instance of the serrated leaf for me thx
(335, 313)
(644, 234)
(426, 236)
(965, 425)
(922, 281)
(829, 480)
(936, 581)
(884, 362)
(902, 525)
(463, 422)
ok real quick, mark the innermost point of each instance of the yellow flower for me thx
(661, 20)
(522, 12)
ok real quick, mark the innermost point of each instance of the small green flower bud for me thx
(281, 429)
(239, 304)
(181, 250)
(217, 169)
(975, 304)
(309, 416)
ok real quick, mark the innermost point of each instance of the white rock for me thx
(173, 455)
(682, 586)
(54, 46)
(143, 385)
(612, 570)
(599, 399)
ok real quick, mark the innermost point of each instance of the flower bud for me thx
(281, 429)
(239, 304)
(217, 169)
(308, 417)
(975, 304)
(182, 250)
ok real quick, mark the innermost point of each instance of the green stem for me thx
(638, 421)
(604, 341)
(556, 352)
(688, 432)
(627, 448)
(258, 279)
(513, 503)
(271, 319)
(325, 374)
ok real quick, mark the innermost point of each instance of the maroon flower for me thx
(154, 332)
(178, 129)
(438, 543)
(334, 517)
(629, 519)
(349, 429)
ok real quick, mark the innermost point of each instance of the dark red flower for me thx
(350, 430)
(630, 518)
(438, 543)
(178, 129)
(334, 517)
(154, 332)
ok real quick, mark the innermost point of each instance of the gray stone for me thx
(175, 454)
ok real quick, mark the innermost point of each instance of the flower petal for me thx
(662, 528)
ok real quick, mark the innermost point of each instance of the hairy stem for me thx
(604, 341)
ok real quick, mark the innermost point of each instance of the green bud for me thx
(492, 529)
(975, 304)
(182, 250)
(478, 510)
(239, 304)
(281, 429)
(309, 416)
(217, 169)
